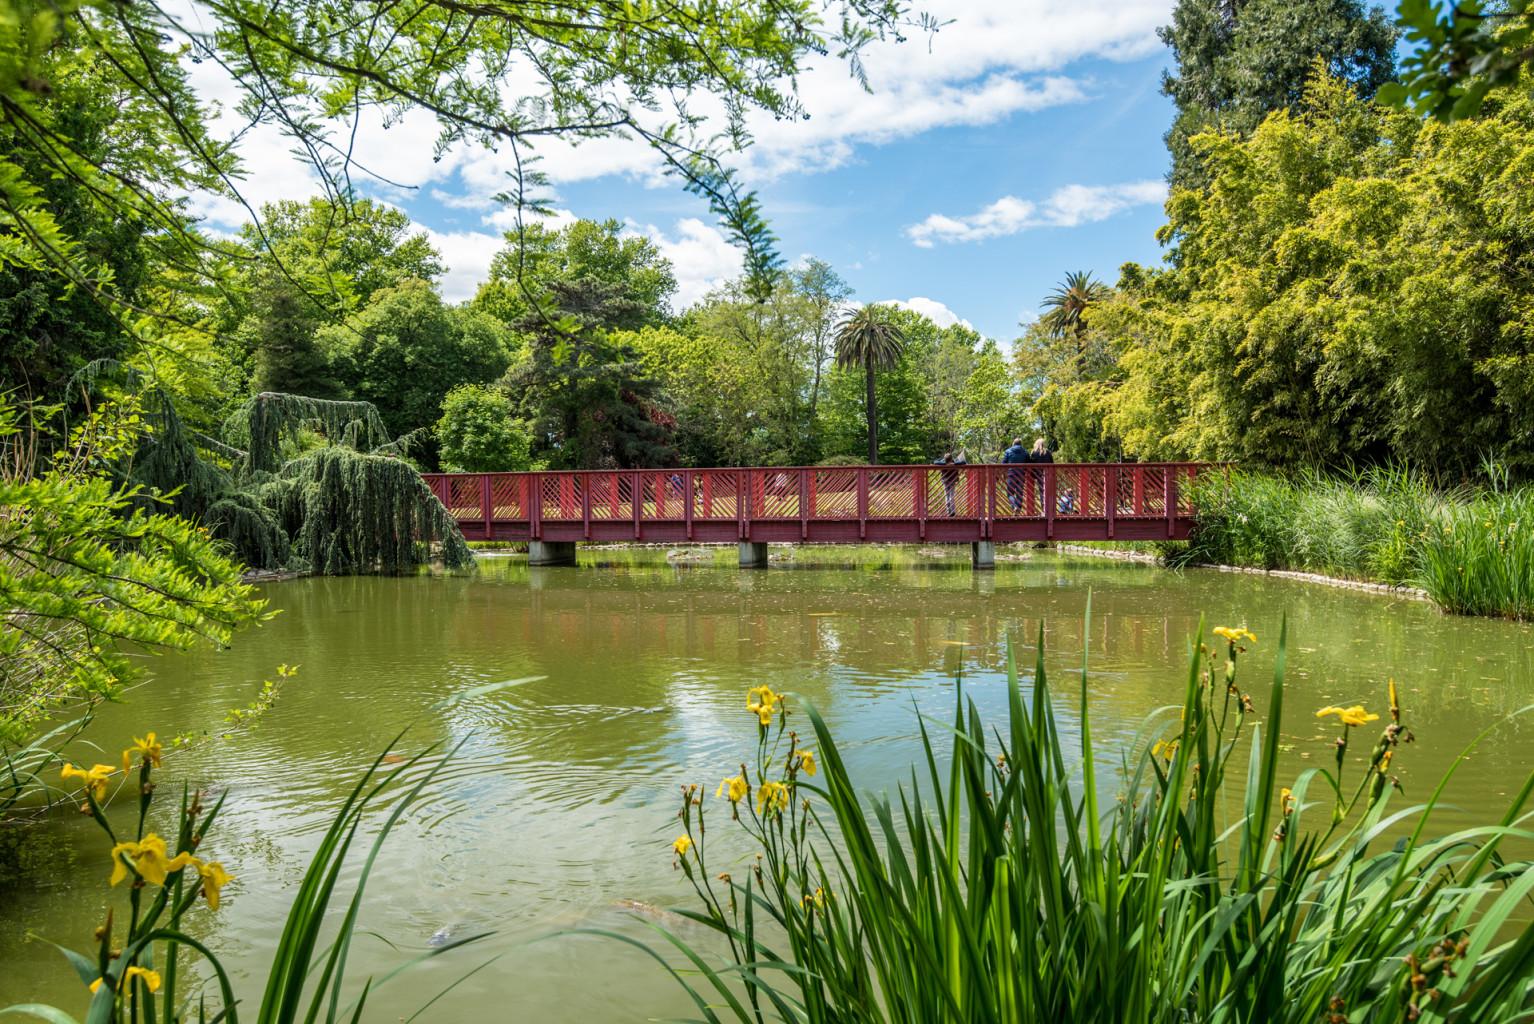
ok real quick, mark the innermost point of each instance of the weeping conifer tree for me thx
(349, 505)
(298, 483)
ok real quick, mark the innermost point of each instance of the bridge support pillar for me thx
(982, 554)
(551, 552)
(753, 554)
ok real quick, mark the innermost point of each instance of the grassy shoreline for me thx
(1470, 551)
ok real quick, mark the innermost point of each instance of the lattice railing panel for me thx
(507, 495)
(463, 497)
(663, 494)
(1019, 492)
(1080, 491)
(1185, 476)
(561, 496)
(954, 492)
(892, 493)
(612, 496)
(1152, 492)
(775, 494)
(834, 494)
(716, 495)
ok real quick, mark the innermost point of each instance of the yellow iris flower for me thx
(148, 747)
(771, 796)
(149, 860)
(214, 878)
(763, 701)
(94, 779)
(806, 761)
(1355, 715)
(735, 787)
(151, 978)
(1235, 636)
(682, 845)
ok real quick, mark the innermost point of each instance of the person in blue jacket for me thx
(1013, 456)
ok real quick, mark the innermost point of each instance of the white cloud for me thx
(1066, 207)
(994, 59)
(932, 309)
(701, 257)
(467, 255)
(505, 218)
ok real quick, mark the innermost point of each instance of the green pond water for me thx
(559, 807)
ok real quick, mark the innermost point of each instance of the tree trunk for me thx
(872, 408)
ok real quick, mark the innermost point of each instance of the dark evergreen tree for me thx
(1240, 60)
(288, 358)
(587, 395)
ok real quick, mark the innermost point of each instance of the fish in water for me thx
(442, 936)
(651, 911)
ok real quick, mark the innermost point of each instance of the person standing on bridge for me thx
(1015, 455)
(1038, 456)
(950, 474)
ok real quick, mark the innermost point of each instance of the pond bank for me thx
(1321, 579)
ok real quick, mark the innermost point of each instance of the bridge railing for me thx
(864, 495)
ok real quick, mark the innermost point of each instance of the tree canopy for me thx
(1459, 52)
(1239, 60)
(503, 74)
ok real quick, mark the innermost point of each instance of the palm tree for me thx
(1069, 302)
(869, 338)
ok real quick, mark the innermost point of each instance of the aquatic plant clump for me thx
(997, 887)
(1478, 559)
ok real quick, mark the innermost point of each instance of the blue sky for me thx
(1021, 142)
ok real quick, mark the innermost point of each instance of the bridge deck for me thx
(827, 504)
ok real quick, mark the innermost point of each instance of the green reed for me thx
(1471, 550)
(1478, 558)
(999, 885)
(1360, 525)
(148, 969)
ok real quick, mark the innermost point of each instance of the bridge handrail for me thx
(1106, 500)
(851, 465)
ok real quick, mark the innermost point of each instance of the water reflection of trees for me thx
(888, 626)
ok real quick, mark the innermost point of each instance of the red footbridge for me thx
(981, 505)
